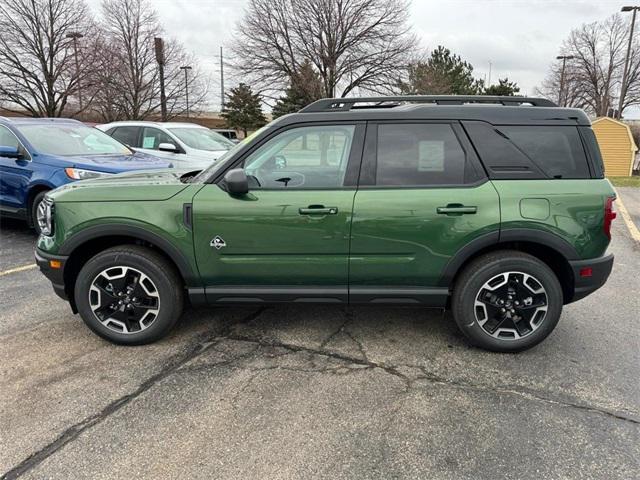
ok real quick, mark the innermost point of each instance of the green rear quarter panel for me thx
(570, 209)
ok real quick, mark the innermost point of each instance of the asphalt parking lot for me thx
(316, 392)
(631, 198)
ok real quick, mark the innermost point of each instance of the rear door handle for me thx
(318, 210)
(456, 209)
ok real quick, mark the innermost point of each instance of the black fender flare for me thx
(529, 235)
(108, 230)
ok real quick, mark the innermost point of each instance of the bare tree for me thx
(351, 43)
(571, 94)
(37, 69)
(593, 77)
(131, 73)
(130, 27)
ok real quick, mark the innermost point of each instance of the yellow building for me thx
(617, 146)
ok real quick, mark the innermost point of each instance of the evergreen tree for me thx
(443, 73)
(243, 109)
(504, 87)
(305, 87)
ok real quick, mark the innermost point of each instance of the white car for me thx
(186, 145)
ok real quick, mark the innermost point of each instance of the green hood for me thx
(147, 185)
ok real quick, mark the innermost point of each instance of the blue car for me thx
(40, 154)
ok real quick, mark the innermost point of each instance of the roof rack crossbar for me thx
(346, 104)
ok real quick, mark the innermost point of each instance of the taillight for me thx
(609, 215)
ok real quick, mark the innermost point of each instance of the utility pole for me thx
(186, 68)
(159, 49)
(75, 36)
(221, 81)
(563, 102)
(489, 84)
(623, 87)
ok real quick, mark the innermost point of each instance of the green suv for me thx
(494, 207)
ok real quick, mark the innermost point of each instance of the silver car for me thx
(186, 145)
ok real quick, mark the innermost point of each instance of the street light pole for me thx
(564, 58)
(490, 65)
(75, 36)
(158, 44)
(221, 81)
(186, 68)
(623, 87)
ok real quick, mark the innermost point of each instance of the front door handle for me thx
(318, 210)
(456, 209)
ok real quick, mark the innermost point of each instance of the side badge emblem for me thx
(218, 242)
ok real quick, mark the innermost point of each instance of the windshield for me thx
(220, 162)
(69, 139)
(201, 139)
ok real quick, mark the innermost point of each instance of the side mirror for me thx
(237, 182)
(167, 147)
(10, 152)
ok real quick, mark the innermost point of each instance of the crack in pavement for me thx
(437, 379)
(193, 350)
(332, 335)
(343, 329)
(209, 340)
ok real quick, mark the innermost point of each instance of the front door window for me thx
(302, 158)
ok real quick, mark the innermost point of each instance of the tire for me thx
(33, 220)
(146, 312)
(516, 278)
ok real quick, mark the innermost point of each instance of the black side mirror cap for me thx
(237, 182)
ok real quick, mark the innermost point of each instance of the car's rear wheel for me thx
(129, 295)
(507, 301)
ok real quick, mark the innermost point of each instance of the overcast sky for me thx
(520, 37)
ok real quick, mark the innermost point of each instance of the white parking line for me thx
(17, 269)
(624, 213)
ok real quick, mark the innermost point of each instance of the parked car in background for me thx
(40, 154)
(227, 133)
(186, 145)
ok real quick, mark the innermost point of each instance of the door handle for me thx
(318, 210)
(456, 209)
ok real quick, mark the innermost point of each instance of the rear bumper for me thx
(586, 284)
(55, 275)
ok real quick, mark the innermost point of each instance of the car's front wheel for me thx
(507, 301)
(35, 204)
(129, 295)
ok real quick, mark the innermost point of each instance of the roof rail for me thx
(346, 104)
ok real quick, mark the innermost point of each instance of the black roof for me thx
(495, 110)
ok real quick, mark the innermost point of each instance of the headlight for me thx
(79, 174)
(44, 216)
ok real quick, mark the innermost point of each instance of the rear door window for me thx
(419, 154)
(127, 135)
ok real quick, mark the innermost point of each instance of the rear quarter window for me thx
(557, 151)
(591, 144)
(529, 152)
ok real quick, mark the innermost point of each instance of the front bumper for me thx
(585, 284)
(55, 275)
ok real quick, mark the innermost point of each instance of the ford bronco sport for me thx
(495, 207)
